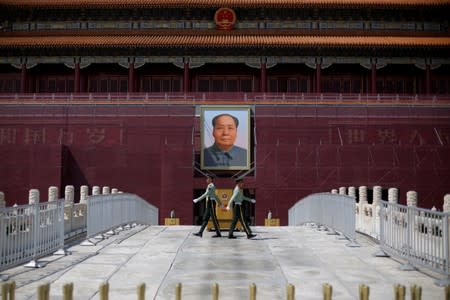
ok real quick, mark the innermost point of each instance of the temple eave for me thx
(68, 4)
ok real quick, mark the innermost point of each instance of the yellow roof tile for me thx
(211, 40)
(221, 3)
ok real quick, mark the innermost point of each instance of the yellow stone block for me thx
(171, 221)
(272, 222)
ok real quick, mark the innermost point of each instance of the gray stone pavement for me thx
(162, 256)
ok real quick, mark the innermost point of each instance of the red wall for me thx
(23, 167)
(148, 150)
(302, 150)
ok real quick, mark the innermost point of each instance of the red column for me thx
(131, 83)
(23, 78)
(186, 78)
(76, 80)
(318, 69)
(427, 79)
(263, 84)
(373, 88)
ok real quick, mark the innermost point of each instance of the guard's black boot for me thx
(251, 235)
(199, 234)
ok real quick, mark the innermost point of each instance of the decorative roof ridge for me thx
(221, 3)
(221, 41)
(213, 32)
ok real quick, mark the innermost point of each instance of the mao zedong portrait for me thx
(224, 153)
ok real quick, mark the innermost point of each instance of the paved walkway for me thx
(162, 256)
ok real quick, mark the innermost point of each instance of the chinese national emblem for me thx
(225, 18)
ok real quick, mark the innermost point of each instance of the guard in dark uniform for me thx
(237, 198)
(210, 211)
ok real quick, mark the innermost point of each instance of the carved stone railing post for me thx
(69, 195)
(105, 190)
(2, 200)
(352, 192)
(95, 190)
(362, 191)
(446, 206)
(84, 194)
(362, 196)
(33, 196)
(52, 193)
(393, 195)
(411, 198)
(377, 197)
(377, 193)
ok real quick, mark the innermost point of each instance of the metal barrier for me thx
(28, 232)
(334, 211)
(74, 219)
(416, 235)
(105, 212)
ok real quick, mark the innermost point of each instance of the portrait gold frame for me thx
(243, 114)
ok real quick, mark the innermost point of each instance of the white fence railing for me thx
(75, 215)
(321, 208)
(29, 232)
(105, 212)
(416, 235)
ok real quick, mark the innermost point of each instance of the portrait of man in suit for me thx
(225, 138)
